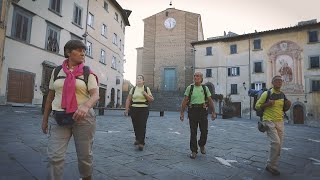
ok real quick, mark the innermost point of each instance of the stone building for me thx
(36, 34)
(233, 64)
(166, 58)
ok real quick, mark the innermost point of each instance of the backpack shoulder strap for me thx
(86, 73)
(146, 89)
(133, 89)
(205, 92)
(191, 90)
(268, 95)
(56, 72)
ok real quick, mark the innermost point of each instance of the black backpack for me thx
(204, 91)
(86, 73)
(145, 89)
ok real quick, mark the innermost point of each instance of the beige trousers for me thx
(275, 135)
(83, 133)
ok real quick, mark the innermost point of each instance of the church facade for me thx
(167, 58)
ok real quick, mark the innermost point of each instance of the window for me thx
(75, 37)
(314, 62)
(90, 19)
(257, 67)
(104, 30)
(234, 71)
(257, 44)
(0, 10)
(105, 6)
(258, 86)
(53, 38)
(77, 15)
(115, 39)
(208, 72)
(234, 89)
(315, 85)
(120, 44)
(209, 51)
(89, 48)
(313, 36)
(21, 25)
(103, 56)
(114, 62)
(233, 49)
(116, 17)
(55, 5)
(121, 24)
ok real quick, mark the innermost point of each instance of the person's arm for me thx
(262, 104)
(128, 102)
(47, 110)
(83, 109)
(213, 111)
(183, 106)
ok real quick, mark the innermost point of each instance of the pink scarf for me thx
(69, 100)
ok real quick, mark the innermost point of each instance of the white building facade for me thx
(233, 64)
(36, 34)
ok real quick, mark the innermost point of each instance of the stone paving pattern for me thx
(23, 149)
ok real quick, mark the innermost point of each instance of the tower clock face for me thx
(170, 23)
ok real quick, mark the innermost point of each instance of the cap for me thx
(276, 78)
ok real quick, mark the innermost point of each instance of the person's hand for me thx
(126, 113)
(181, 116)
(213, 116)
(270, 103)
(81, 112)
(44, 126)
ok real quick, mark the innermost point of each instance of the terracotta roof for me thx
(256, 34)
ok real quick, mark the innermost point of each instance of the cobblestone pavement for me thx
(235, 149)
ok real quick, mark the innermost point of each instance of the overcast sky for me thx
(239, 16)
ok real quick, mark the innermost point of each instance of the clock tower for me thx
(167, 58)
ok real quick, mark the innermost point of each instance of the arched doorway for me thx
(298, 115)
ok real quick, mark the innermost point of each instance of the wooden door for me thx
(237, 107)
(298, 117)
(20, 86)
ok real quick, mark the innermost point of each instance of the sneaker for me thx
(193, 155)
(136, 142)
(202, 150)
(140, 147)
(273, 171)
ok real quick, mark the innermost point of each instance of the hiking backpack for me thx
(86, 73)
(259, 112)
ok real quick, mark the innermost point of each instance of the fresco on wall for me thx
(285, 60)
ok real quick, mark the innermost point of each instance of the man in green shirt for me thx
(197, 113)
(274, 107)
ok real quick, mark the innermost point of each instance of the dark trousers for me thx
(198, 116)
(139, 116)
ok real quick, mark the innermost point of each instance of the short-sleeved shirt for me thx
(138, 96)
(275, 112)
(82, 92)
(198, 96)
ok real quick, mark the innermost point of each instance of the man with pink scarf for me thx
(70, 95)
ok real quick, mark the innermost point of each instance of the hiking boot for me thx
(136, 142)
(202, 150)
(140, 147)
(273, 171)
(193, 155)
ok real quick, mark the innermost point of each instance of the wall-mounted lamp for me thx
(244, 85)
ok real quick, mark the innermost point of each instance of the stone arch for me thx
(210, 87)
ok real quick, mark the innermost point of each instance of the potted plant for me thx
(227, 108)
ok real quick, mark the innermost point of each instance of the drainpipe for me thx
(250, 73)
(86, 26)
